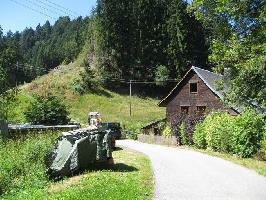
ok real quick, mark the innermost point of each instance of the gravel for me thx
(189, 175)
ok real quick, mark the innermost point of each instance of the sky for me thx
(16, 15)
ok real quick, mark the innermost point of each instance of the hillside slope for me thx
(111, 105)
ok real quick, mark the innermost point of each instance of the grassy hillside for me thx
(111, 105)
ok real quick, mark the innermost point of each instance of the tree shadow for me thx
(118, 149)
(101, 92)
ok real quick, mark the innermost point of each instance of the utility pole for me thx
(130, 93)
(16, 75)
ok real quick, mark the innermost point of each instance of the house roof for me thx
(209, 78)
(152, 123)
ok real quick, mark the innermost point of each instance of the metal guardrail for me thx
(26, 127)
(16, 130)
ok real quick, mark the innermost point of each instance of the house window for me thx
(184, 109)
(193, 88)
(201, 109)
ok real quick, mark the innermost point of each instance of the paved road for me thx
(188, 175)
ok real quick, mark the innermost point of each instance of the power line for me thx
(65, 11)
(61, 7)
(151, 82)
(33, 9)
(40, 6)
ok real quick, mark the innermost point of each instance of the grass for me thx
(112, 106)
(254, 164)
(22, 168)
(22, 174)
(130, 178)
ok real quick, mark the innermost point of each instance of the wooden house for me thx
(196, 94)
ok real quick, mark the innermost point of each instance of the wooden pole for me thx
(130, 94)
(4, 129)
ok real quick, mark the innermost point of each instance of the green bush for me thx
(247, 134)
(183, 134)
(167, 132)
(218, 136)
(263, 143)
(199, 136)
(87, 81)
(47, 110)
(241, 135)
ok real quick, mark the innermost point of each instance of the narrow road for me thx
(188, 175)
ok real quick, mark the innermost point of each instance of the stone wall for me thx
(156, 139)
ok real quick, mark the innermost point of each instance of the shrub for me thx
(87, 81)
(219, 131)
(167, 132)
(199, 136)
(183, 134)
(263, 143)
(47, 110)
(247, 134)
(241, 135)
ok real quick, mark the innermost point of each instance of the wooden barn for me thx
(196, 94)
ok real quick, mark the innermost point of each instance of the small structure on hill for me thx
(153, 127)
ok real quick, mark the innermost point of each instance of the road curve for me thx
(188, 175)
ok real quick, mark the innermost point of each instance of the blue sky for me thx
(16, 15)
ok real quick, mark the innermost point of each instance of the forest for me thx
(148, 40)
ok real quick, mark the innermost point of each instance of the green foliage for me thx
(167, 132)
(7, 100)
(219, 130)
(87, 82)
(47, 110)
(31, 53)
(241, 135)
(199, 136)
(161, 74)
(263, 143)
(22, 164)
(183, 134)
(135, 37)
(247, 134)
(238, 44)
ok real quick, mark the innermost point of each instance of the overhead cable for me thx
(40, 6)
(33, 9)
(62, 7)
(65, 11)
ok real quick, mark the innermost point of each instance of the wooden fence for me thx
(156, 139)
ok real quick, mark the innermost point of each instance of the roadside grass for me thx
(22, 169)
(254, 164)
(22, 174)
(130, 178)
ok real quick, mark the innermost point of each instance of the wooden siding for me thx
(183, 97)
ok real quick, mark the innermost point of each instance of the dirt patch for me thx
(57, 187)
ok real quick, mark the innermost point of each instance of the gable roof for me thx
(209, 78)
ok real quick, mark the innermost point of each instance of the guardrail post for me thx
(4, 129)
